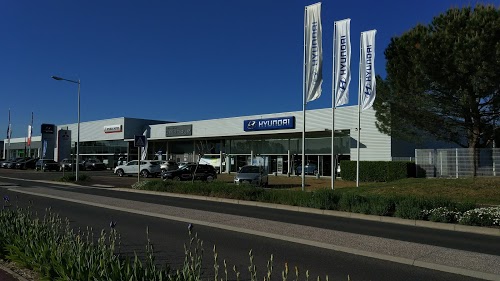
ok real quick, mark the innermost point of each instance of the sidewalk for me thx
(437, 258)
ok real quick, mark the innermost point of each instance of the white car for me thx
(168, 166)
(148, 168)
(254, 175)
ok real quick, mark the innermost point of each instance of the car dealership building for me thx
(271, 140)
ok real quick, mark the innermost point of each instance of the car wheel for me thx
(176, 178)
(120, 173)
(144, 173)
(210, 178)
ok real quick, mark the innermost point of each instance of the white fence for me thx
(457, 162)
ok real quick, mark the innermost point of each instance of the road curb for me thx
(14, 274)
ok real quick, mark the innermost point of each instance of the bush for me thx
(409, 208)
(437, 209)
(381, 205)
(481, 217)
(325, 199)
(377, 171)
(441, 214)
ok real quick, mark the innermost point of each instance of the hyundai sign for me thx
(279, 123)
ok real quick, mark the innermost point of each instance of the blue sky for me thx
(177, 60)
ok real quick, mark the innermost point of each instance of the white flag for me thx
(313, 52)
(9, 129)
(30, 130)
(145, 148)
(342, 57)
(29, 135)
(367, 69)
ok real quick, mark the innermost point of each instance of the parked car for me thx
(148, 168)
(70, 165)
(254, 175)
(6, 163)
(27, 164)
(310, 168)
(202, 172)
(46, 165)
(169, 166)
(12, 164)
(94, 165)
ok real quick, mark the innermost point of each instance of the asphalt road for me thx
(168, 238)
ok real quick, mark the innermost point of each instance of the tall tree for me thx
(444, 79)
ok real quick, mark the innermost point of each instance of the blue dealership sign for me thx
(279, 123)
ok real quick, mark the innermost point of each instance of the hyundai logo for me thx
(251, 124)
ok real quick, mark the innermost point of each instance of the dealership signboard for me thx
(48, 140)
(63, 144)
(278, 123)
(181, 130)
(113, 129)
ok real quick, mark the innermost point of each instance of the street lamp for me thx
(78, 126)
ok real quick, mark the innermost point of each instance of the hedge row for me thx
(377, 171)
(407, 207)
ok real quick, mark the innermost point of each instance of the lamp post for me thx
(77, 168)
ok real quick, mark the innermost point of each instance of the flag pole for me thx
(30, 135)
(359, 109)
(334, 86)
(304, 102)
(8, 138)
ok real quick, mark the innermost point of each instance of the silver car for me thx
(148, 168)
(254, 175)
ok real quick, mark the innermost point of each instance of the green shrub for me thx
(325, 199)
(348, 201)
(441, 214)
(377, 171)
(436, 209)
(409, 208)
(381, 205)
(481, 217)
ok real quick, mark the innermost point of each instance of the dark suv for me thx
(46, 165)
(27, 164)
(94, 165)
(201, 172)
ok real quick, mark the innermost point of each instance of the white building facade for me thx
(272, 140)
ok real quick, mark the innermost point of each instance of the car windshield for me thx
(250, 169)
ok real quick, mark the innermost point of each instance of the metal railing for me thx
(457, 162)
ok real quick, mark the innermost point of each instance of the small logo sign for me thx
(48, 128)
